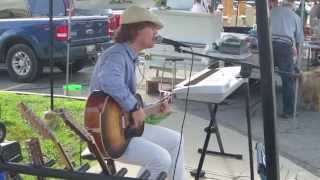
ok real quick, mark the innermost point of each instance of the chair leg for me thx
(111, 165)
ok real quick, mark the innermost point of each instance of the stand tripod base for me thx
(194, 173)
(236, 156)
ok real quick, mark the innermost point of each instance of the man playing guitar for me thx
(114, 74)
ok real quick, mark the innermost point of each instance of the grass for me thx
(19, 130)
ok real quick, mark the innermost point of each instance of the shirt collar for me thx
(131, 53)
(288, 5)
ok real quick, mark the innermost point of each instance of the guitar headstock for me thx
(35, 122)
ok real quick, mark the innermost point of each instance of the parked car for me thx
(25, 37)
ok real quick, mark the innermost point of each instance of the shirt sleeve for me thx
(298, 34)
(112, 81)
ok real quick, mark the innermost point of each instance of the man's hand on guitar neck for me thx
(138, 117)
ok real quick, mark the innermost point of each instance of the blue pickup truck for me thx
(25, 37)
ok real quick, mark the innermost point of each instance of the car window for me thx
(13, 9)
(180, 4)
(103, 5)
(90, 12)
(41, 7)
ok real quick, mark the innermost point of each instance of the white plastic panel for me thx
(186, 26)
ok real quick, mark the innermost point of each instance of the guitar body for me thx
(109, 125)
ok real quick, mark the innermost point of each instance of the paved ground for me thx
(42, 85)
(298, 146)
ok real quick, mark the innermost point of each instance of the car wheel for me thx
(22, 63)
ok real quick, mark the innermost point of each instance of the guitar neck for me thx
(155, 109)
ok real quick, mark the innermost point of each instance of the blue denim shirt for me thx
(114, 74)
(285, 22)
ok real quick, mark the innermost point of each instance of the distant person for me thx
(315, 27)
(199, 6)
(287, 33)
(314, 14)
(219, 10)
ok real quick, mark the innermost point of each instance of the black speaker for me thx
(10, 151)
(3, 132)
(245, 71)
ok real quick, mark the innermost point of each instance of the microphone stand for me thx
(199, 172)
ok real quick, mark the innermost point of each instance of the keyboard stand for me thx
(213, 125)
(214, 128)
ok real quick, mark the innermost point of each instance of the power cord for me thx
(185, 113)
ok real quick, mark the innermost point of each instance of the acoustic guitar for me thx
(110, 126)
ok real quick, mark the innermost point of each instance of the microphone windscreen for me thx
(158, 39)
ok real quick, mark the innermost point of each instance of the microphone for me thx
(160, 39)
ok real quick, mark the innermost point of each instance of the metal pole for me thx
(51, 51)
(267, 90)
(70, 10)
(299, 59)
(248, 116)
(237, 15)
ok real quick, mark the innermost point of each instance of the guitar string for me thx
(185, 113)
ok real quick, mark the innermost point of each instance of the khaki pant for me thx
(156, 150)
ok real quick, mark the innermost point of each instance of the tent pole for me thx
(51, 52)
(267, 90)
(298, 64)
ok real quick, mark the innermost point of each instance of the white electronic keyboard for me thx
(210, 85)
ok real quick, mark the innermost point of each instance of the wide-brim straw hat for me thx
(135, 14)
